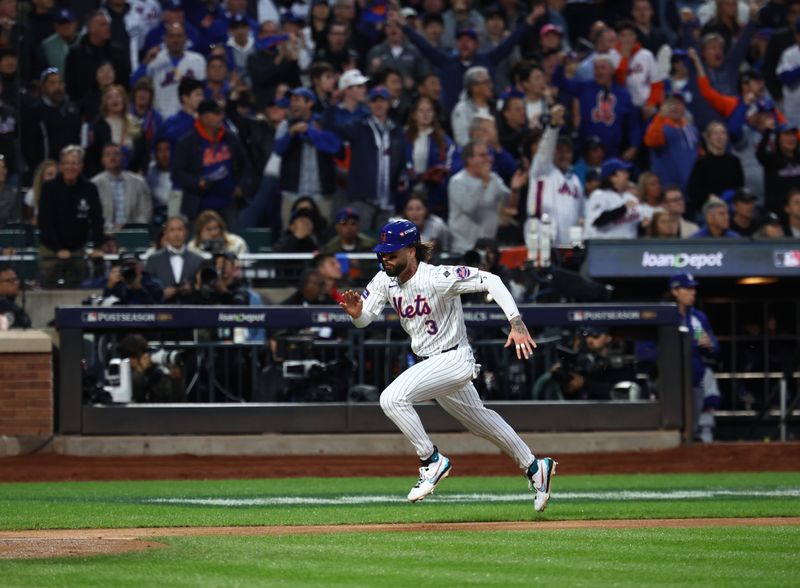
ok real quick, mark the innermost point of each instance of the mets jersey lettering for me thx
(429, 304)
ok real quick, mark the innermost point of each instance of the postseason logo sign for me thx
(102, 316)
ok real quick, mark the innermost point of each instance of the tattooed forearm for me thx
(518, 326)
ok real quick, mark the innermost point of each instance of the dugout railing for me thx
(665, 409)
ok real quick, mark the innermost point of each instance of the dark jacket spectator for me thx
(70, 214)
(210, 166)
(779, 153)
(714, 171)
(52, 122)
(268, 67)
(94, 48)
(299, 236)
(378, 152)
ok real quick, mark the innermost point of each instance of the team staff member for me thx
(427, 299)
(70, 215)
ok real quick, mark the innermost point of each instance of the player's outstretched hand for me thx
(352, 303)
(520, 338)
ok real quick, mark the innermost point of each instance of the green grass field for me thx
(712, 556)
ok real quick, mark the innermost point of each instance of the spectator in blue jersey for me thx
(172, 13)
(306, 151)
(209, 18)
(718, 221)
(674, 143)
(190, 94)
(352, 106)
(452, 66)
(210, 167)
(606, 109)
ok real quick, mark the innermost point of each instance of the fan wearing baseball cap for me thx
(352, 106)
(705, 348)
(612, 211)
(210, 167)
(377, 160)
(306, 150)
(348, 238)
(54, 48)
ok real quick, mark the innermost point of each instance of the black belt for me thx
(420, 358)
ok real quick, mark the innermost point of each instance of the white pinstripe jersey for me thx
(429, 304)
(553, 192)
(167, 74)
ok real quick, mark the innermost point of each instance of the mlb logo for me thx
(90, 317)
(577, 316)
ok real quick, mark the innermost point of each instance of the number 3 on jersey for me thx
(433, 328)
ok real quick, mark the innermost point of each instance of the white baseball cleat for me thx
(429, 477)
(539, 481)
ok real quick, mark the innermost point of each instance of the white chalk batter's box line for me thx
(615, 495)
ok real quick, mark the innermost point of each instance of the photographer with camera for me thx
(594, 371)
(156, 376)
(216, 282)
(129, 282)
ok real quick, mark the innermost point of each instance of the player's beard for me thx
(398, 268)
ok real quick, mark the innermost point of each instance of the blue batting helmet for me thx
(396, 235)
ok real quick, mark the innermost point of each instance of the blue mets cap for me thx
(612, 166)
(472, 33)
(65, 15)
(379, 92)
(303, 92)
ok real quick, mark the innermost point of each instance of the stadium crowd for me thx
(507, 122)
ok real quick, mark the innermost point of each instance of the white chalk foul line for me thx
(482, 498)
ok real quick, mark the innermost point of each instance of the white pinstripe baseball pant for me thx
(447, 378)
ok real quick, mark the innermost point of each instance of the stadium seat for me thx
(133, 239)
(13, 238)
(258, 240)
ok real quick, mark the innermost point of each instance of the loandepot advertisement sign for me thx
(695, 261)
(703, 257)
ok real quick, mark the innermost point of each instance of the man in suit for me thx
(125, 196)
(174, 265)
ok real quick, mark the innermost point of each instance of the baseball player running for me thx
(427, 299)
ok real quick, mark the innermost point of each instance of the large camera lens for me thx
(128, 274)
(208, 275)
